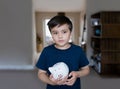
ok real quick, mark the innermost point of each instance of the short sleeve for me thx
(83, 59)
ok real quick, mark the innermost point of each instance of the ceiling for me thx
(59, 5)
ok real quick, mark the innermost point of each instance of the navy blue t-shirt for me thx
(74, 57)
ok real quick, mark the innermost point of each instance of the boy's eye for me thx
(55, 33)
(64, 31)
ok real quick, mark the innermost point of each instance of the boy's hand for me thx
(58, 81)
(70, 81)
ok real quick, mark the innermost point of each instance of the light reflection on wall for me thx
(48, 37)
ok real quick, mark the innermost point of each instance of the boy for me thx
(62, 51)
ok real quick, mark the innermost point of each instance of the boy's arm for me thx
(76, 74)
(83, 71)
(43, 76)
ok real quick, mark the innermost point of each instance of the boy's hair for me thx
(59, 20)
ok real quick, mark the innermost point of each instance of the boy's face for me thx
(61, 36)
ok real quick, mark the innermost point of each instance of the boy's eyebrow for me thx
(61, 30)
(65, 29)
(53, 31)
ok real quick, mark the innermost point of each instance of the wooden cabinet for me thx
(106, 42)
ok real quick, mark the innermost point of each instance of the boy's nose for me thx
(59, 35)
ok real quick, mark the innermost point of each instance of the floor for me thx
(95, 81)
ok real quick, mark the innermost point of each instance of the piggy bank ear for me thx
(50, 69)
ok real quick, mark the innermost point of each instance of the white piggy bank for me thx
(59, 69)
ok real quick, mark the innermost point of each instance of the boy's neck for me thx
(63, 47)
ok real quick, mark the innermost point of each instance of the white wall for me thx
(94, 6)
(16, 48)
(16, 32)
